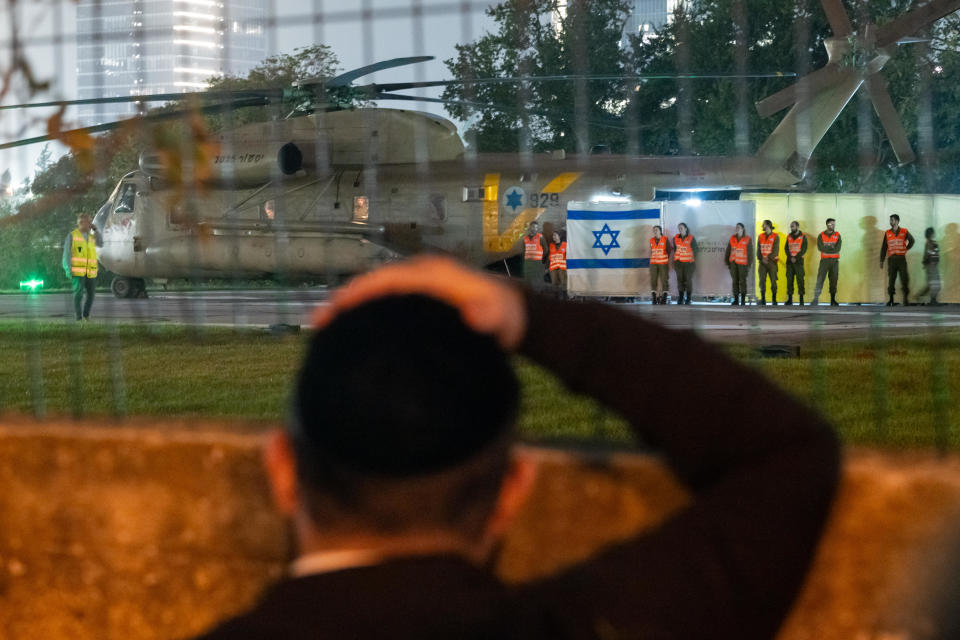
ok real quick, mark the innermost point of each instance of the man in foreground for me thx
(396, 474)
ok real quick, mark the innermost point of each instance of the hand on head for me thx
(487, 304)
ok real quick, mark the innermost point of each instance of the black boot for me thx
(890, 302)
(906, 298)
(833, 300)
(789, 301)
(736, 300)
(763, 300)
(801, 300)
(680, 297)
(663, 298)
(653, 298)
(933, 300)
(773, 299)
(687, 300)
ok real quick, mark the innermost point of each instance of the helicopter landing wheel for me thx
(122, 287)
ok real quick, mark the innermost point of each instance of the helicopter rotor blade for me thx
(402, 86)
(890, 119)
(157, 97)
(153, 117)
(808, 85)
(837, 17)
(912, 21)
(348, 77)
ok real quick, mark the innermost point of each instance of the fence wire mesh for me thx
(241, 157)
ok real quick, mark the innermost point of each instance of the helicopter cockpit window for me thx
(128, 196)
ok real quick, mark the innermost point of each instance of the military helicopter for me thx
(328, 190)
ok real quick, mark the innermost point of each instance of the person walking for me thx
(796, 249)
(659, 266)
(739, 259)
(768, 256)
(557, 257)
(828, 243)
(80, 264)
(931, 266)
(896, 242)
(684, 262)
(534, 257)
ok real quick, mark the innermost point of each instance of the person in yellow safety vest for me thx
(796, 249)
(739, 259)
(684, 262)
(896, 242)
(768, 256)
(829, 243)
(534, 257)
(558, 263)
(80, 264)
(659, 266)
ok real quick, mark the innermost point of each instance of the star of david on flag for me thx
(598, 242)
(608, 248)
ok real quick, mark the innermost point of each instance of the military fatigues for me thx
(684, 263)
(931, 266)
(533, 261)
(829, 246)
(739, 258)
(659, 269)
(796, 250)
(894, 248)
(768, 246)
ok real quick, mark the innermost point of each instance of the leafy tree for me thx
(534, 38)
(700, 116)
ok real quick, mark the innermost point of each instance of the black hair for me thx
(829, 220)
(929, 232)
(895, 217)
(767, 222)
(658, 228)
(397, 390)
(742, 226)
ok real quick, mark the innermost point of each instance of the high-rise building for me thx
(144, 47)
(647, 16)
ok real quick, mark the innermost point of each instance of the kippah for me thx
(401, 386)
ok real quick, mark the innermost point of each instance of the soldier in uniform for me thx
(896, 242)
(768, 255)
(684, 262)
(659, 266)
(828, 242)
(533, 257)
(739, 259)
(796, 249)
(931, 266)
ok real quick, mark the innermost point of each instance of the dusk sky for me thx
(393, 32)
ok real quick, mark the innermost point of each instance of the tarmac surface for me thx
(271, 307)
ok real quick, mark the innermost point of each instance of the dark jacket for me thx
(727, 566)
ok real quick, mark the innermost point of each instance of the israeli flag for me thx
(608, 248)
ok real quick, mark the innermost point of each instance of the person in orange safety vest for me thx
(768, 256)
(739, 259)
(896, 242)
(557, 260)
(684, 261)
(534, 257)
(796, 250)
(659, 266)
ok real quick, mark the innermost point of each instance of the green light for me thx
(32, 284)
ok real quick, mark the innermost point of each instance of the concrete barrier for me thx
(157, 529)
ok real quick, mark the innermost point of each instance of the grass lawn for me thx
(898, 393)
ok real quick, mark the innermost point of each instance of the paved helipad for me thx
(716, 321)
